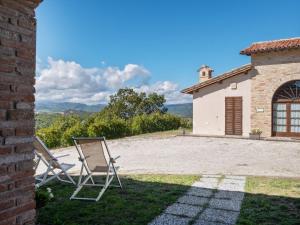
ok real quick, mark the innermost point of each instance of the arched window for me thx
(286, 110)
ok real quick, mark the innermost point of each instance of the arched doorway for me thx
(286, 110)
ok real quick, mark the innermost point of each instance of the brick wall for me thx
(17, 72)
(271, 70)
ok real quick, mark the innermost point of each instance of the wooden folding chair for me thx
(95, 159)
(54, 169)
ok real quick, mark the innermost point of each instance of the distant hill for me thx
(53, 107)
(183, 110)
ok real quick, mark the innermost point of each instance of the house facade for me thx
(264, 94)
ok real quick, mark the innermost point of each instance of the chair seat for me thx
(66, 166)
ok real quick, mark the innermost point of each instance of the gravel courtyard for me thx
(201, 155)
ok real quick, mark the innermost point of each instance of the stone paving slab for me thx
(183, 210)
(205, 185)
(205, 222)
(167, 219)
(209, 179)
(219, 215)
(229, 195)
(201, 192)
(222, 196)
(233, 181)
(227, 204)
(211, 176)
(231, 187)
(193, 200)
(235, 177)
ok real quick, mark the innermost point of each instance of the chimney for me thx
(205, 73)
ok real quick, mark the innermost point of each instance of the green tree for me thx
(127, 103)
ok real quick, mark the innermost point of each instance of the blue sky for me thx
(161, 40)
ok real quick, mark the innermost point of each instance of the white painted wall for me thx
(209, 105)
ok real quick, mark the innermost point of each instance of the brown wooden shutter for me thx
(233, 115)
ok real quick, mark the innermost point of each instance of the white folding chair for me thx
(95, 159)
(54, 169)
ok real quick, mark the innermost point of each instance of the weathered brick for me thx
(25, 53)
(26, 181)
(4, 150)
(24, 105)
(18, 140)
(10, 221)
(6, 104)
(24, 165)
(7, 52)
(7, 204)
(24, 131)
(5, 132)
(4, 87)
(20, 114)
(26, 218)
(21, 148)
(17, 210)
(3, 114)
(28, 89)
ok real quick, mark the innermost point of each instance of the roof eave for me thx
(244, 69)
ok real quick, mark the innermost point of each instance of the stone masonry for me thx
(17, 77)
(271, 70)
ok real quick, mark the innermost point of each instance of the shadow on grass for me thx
(143, 198)
(146, 196)
(266, 210)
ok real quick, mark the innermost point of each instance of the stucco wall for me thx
(209, 105)
(271, 70)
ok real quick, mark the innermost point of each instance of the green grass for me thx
(144, 197)
(271, 201)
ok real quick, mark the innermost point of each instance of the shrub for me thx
(154, 122)
(77, 130)
(186, 123)
(51, 136)
(113, 128)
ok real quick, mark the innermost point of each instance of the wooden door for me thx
(233, 115)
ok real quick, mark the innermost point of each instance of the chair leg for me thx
(117, 176)
(80, 186)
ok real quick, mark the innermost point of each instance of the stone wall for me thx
(17, 72)
(271, 70)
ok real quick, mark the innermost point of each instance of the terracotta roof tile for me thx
(232, 73)
(276, 45)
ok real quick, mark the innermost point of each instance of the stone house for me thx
(264, 94)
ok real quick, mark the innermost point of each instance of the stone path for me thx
(213, 200)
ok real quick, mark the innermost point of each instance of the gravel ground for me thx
(201, 155)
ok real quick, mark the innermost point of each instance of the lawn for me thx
(267, 201)
(144, 197)
(271, 201)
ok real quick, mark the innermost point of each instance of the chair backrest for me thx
(42, 149)
(95, 153)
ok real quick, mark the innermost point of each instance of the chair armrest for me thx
(113, 160)
(61, 156)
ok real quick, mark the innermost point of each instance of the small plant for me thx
(42, 197)
(256, 131)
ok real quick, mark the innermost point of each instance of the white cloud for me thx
(68, 81)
